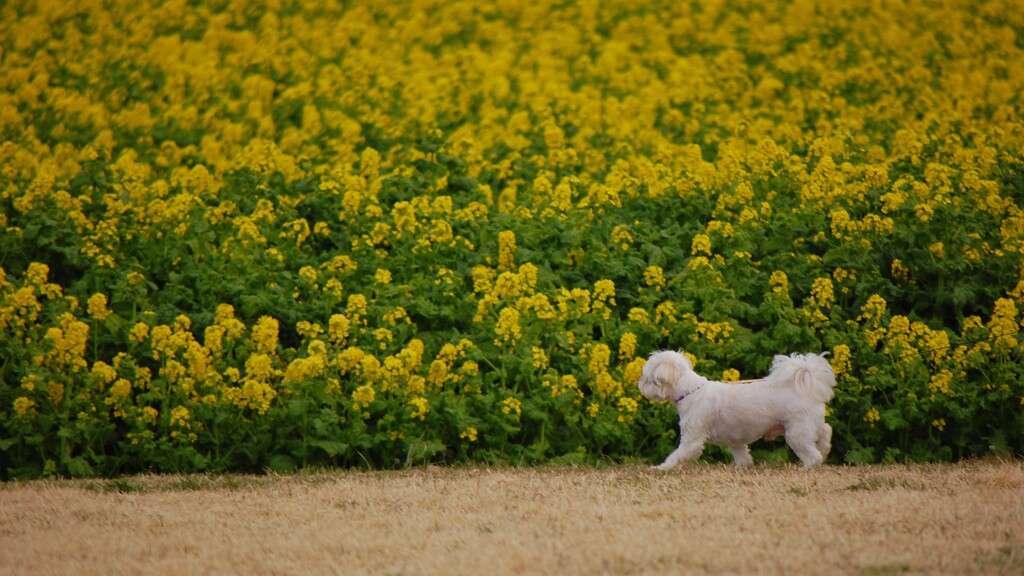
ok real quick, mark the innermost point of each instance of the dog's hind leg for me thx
(824, 440)
(741, 455)
(804, 441)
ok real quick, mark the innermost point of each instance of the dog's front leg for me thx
(688, 450)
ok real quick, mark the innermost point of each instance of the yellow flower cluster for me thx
(507, 328)
(348, 178)
(420, 407)
(469, 434)
(512, 407)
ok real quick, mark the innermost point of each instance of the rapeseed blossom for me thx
(440, 214)
(469, 434)
(512, 406)
(265, 334)
(420, 408)
(97, 307)
(363, 396)
(654, 277)
(508, 328)
(506, 250)
(23, 405)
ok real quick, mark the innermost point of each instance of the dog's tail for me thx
(810, 374)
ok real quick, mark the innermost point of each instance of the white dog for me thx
(790, 401)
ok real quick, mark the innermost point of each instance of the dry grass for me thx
(953, 519)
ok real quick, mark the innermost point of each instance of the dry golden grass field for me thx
(698, 519)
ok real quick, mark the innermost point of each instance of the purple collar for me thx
(686, 394)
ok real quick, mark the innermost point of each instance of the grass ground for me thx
(924, 519)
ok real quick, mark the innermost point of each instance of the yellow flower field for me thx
(240, 235)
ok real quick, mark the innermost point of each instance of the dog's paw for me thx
(663, 466)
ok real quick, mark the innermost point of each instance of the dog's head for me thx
(661, 373)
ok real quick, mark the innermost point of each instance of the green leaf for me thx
(281, 464)
(298, 406)
(331, 447)
(860, 455)
(423, 450)
(79, 468)
(893, 419)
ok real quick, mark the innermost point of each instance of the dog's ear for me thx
(666, 374)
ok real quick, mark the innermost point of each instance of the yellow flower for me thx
(506, 250)
(730, 375)
(97, 306)
(779, 282)
(627, 346)
(561, 196)
(119, 392)
(600, 356)
(639, 316)
(698, 262)
(37, 274)
(872, 416)
(1003, 325)
(356, 308)
(469, 434)
(22, 405)
(397, 314)
(308, 329)
(253, 394)
(483, 279)
(338, 327)
(297, 229)
(149, 414)
(438, 373)
(654, 277)
(28, 383)
(55, 392)
(573, 303)
(180, 417)
(841, 360)
(421, 406)
(627, 404)
(822, 295)
(383, 336)
(940, 382)
(701, 245)
(627, 408)
(621, 237)
(604, 293)
(507, 327)
(665, 315)
(213, 338)
(554, 137)
(260, 367)
(539, 358)
(103, 372)
(631, 373)
(264, 335)
(309, 274)
(512, 407)
(363, 396)
(470, 368)
(382, 276)
(225, 317)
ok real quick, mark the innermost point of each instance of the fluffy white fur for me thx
(789, 401)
